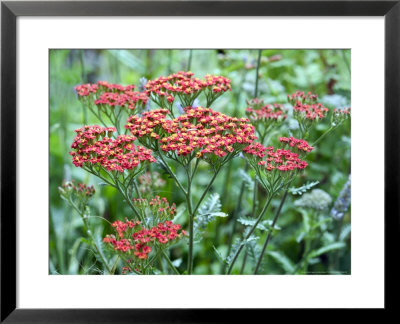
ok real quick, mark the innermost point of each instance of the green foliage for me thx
(303, 189)
(327, 248)
(208, 211)
(325, 72)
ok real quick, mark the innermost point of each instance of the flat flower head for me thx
(276, 166)
(92, 146)
(298, 145)
(200, 132)
(186, 88)
(301, 97)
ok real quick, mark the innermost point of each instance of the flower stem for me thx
(270, 232)
(191, 222)
(253, 228)
(253, 212)
(89, 233)
(165, 255)
(323, 135)
(206, 190)
(171, 173)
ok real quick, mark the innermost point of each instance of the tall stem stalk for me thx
(270, 232)
(191, 221)
(253, 228)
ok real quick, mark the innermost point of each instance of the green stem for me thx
(89, 233)
(323, 135)
(244, 261)
(253, 228)
(253, 212)
(165, 255)
(206, 190)
(191, 222)
(171, 173)
(136, 188)
(270, 232)
(234, 216)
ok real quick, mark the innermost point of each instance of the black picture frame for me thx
(11, 10)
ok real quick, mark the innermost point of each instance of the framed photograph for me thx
(187, 155)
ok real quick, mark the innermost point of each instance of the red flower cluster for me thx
(310, 112)
(301, 145)
(301, 97)
(279, 159)
(127, 98)
(122, 227)
(138, 239)
(255, 149)
(150, 123)
(266, 112)
(104, 85)
(201, 131)
(93, 145)
(163, 233)
(182, 84)
(84, 90)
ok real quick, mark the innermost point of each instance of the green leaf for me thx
(220, 256)
(286, 264)
(327, 248)
(303, 189)
(345, 232)
(238, 243)
(265, 226)
(248, 181)
(208, 211)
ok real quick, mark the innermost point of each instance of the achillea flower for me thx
(274, 167)
(136, 241)
(105, 86)
(311, 112)
(106, 95)
(200, 132)
(264, 117)
(93, 146)
(258, 110)
(128, 99)
(299, 145)
(186, 87)
(300, 97)
(85, 90)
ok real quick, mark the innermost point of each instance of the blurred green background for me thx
(282, 72)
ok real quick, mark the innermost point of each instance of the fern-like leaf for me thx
(208, 211)
(303, 189)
